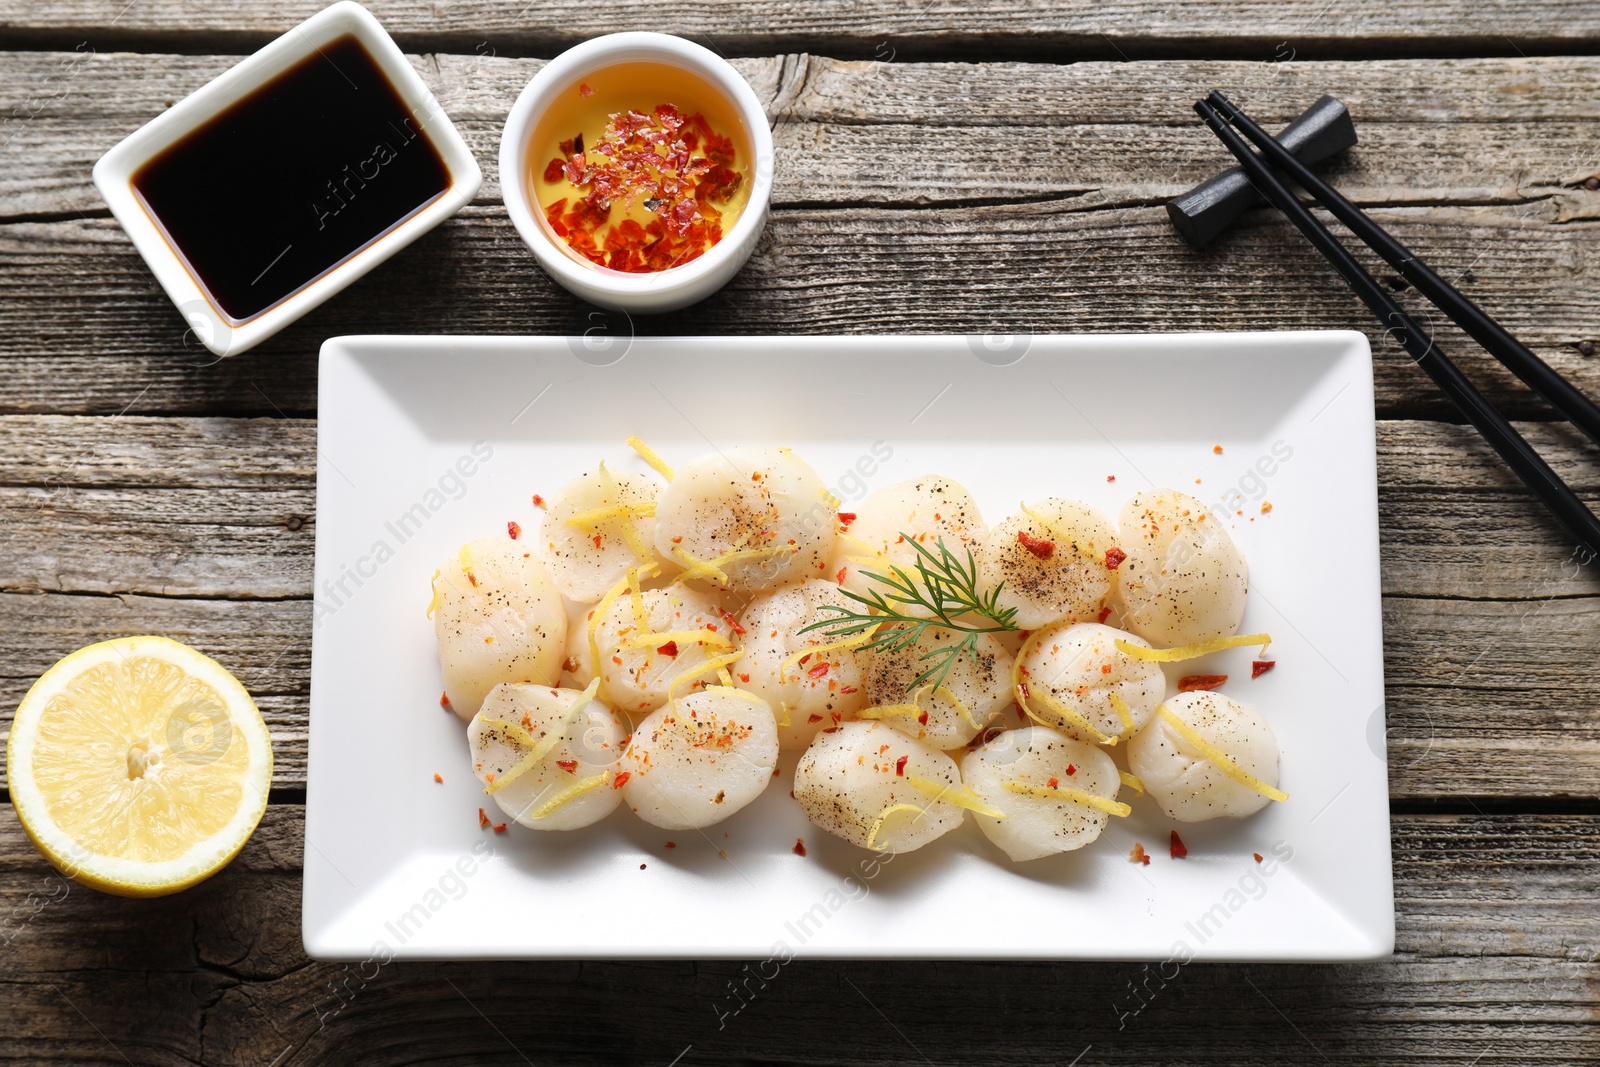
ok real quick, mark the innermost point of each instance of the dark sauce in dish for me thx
(291, 181)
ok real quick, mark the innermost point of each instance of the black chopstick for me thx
(1500, 434)
(1538, 374)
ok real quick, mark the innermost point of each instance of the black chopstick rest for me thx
(1322, 130)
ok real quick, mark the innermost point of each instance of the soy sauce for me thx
(292, 180)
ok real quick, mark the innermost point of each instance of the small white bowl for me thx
(657, 291)
(113, 175)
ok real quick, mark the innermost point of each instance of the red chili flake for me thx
(847, 689)
(984, 737)
(1217, 449)
(1071, 770)
(473, 578)
(597, 540)
(444, 701)
(584, 90)
(826, 730)
(672, 844)
(437, 778)
(1111, 477)
(1193, 683)
(745, 678)
(1257, 855)
(813, 718)
(669, 649)
(568, 765)
(728, 618)
(1114, 558)
(799, 846)
(499, 827)
(923, 718)
(570, 665)
(1037, 545)
(900, 766)
(1105, 613)
(818, 671)
(839, 578)
(1137, 854)
(642, 866)
(1053, 783)
(1105, 668)
(1266, 507)
(1179, 850)
(620, 780)
(846, 518)
(538, 501)
(1261, 666)
(514, 530)
(483, 820)
(555, 169)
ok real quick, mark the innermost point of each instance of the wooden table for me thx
(942, 167)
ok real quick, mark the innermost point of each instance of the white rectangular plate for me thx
(428, 442)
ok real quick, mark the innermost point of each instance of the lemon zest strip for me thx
(541, 748)
(695, 567)
(652, 457)
(595, 516)
(962, 708)
(817, 650)
(1066, 792)
(571, 793)
(641, 617)
(1202, 648)
(1124, 713)
(703, 667)
(1066, 715)
(959, 795)
(433, 583)
(877, 824)
(783, 710)
(1131, 781)
(597, 616)
(829, 499)
(884, 711)
(630, 532)
(725, 678)
(1219, 757)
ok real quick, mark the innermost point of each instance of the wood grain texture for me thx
(201, 528)
(1065, 31)
(1098, 134)
(1497, 962)
(84, 328)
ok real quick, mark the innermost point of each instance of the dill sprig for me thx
(943, 590)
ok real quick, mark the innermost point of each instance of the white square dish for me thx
(427, 442)
(114, 174)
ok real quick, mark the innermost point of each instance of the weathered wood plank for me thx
(1495, 964)
(266, 644)
(918, 134)
(1064, 31)
(84, 329)
(223, 507)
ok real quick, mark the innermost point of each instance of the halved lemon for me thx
(139, 766)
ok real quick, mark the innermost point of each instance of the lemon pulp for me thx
(139, 766)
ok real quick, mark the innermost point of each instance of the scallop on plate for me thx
(776, 646)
